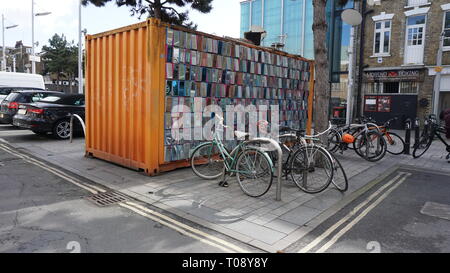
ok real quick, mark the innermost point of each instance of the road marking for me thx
(141, 210)
(199, 232)
(344, 230)
(176, 227)
(49, 169)
(330, 230)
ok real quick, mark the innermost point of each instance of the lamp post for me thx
(80, 51)
(33, 60)
(3, 68)
(437, 79)
(355, 18)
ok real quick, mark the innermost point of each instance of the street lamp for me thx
(354, 18)
(4, 47)
(80, 51)
(33, 58)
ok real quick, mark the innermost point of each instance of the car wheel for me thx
(61, 130)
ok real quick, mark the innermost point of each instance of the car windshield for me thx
(51, 99)
(12, 96)
(64, 100)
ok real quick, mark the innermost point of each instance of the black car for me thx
(52, 115)
(10, 105)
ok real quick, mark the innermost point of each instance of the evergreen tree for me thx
(161, 9)
(61, 58)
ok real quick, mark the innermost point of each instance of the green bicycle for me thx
(251, 165)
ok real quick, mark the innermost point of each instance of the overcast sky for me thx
(223, 20)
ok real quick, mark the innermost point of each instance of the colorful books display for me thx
(202, 71)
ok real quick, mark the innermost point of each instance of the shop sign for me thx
(393, 76)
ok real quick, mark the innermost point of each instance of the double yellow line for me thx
(377, 196)
(139, 209)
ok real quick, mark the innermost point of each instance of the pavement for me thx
(262, 223)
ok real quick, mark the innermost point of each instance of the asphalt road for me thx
(42, 212)
(408, 212)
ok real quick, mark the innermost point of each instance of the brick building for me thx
(400, 54)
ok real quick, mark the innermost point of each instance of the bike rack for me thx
(408, 127)
(71, 126)
(276, 147)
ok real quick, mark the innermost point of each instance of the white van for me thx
(10, 81)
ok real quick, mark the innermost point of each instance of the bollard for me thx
(407, 137)
(416, 132)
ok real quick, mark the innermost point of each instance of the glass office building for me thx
(290, 22)
(286, 21)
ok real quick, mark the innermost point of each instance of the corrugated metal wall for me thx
(125, 96)
(122, 93)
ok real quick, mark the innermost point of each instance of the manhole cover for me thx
(107, 198)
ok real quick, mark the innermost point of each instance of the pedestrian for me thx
(445, 115)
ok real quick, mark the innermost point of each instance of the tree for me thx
(322, 85)
(161, 9)
(61, 58)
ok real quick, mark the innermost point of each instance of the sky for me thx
(223, 20)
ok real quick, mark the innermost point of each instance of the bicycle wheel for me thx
(334, 140)
(339, 180)
(207, 161)
(423, 145)
(312, 169)
(395, 144)
(254, 172)
(371, 146)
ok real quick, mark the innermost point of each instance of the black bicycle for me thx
(431, 130)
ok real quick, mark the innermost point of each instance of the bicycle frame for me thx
(230, 159)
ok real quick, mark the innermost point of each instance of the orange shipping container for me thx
(126, 93)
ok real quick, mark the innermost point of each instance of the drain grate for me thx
(107, 198)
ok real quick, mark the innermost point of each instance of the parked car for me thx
(10, 81)
(52, 115)
(10, 105)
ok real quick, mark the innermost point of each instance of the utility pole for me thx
(351, 54)
(33, 63)
(80, 52)
(3, 48)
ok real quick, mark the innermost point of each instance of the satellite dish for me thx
(351, 17)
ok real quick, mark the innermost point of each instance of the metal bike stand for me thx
(71, 125)
(408, 126)
(276, 147)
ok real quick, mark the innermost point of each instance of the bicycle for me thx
(253, 168)
(432, 129)
(310, 166)
(395, 143)
(366, 138)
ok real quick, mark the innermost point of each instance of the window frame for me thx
(446, 13)
(382, 31)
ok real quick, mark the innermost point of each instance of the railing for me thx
(71, 125)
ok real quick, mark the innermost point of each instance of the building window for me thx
(382, 39)
(447, 30)
(391, 87)
(416, 3)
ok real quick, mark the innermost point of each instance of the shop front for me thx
(394, 93)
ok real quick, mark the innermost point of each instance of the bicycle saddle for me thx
(240, 134)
